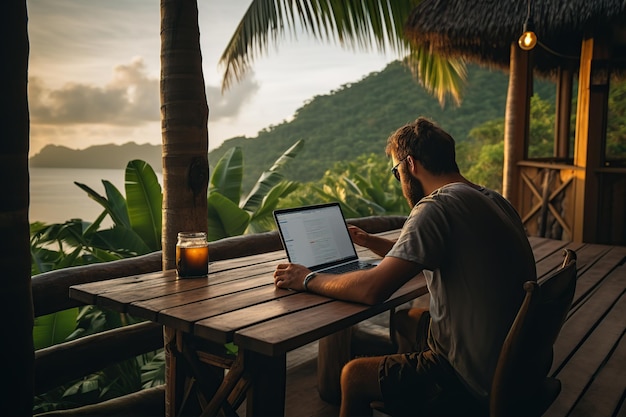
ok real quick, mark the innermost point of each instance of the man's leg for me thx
(359, 386)
(411, 329)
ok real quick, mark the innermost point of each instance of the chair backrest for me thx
(521, 386)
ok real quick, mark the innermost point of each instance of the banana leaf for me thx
(225, 218)
(269, 179)
(94, 195)
(144, 201)
(54, 328)
(228, 175)
(121, 240)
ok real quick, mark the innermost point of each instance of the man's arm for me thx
(370, 286)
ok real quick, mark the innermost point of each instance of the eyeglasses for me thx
(394, 170)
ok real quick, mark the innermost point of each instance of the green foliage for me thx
(136, 225)
(364, 187)
(122, 378)
(487, 170)
(231, 215)
(481, 157)
(468, 153)
(541, 133)
(144, 201)
(616, 123)
(136, 230)
(55, 328)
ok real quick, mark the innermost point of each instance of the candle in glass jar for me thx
(192, 255)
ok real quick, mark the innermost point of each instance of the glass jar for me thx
(192, 255)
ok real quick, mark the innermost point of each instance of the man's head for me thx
(424, 142)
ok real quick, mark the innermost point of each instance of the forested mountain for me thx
(109, 156)
(357, 118)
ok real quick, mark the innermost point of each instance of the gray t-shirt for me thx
(476, 257)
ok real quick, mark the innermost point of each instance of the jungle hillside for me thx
(357, 118)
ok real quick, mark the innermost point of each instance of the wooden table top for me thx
(237, 302)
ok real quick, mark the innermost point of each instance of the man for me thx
(471, 245)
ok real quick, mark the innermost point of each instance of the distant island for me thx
(97, 157)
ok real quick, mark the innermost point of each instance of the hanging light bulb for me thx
(528, 40)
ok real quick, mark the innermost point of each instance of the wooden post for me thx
(591, 116)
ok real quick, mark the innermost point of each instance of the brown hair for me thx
(425, 142)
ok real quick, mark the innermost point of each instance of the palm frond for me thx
(356, 24)
(438, 75)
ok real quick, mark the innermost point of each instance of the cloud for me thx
(131, 98)
(229, 105)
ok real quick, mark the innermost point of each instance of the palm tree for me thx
(184, 118)
(185, 137)
(356, 24)
(16, 302)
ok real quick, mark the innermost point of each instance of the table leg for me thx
(173, 384)
(266, 396)
(189, 383)
(334, 352)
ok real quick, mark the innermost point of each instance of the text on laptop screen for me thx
(315, 236)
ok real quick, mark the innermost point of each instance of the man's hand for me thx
(290, 276)
(377, 244)
(358, 235)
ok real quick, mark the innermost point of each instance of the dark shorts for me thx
(424, 383)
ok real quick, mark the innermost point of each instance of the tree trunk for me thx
(16, 306)
(516, 121)
(184, 118)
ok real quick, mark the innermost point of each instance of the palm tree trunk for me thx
(184, 118)
(16, 304)
(516, 121)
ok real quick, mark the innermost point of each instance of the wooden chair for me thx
(521, 385)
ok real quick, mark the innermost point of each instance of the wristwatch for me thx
(308, 278)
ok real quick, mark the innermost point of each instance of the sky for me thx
(94, 73)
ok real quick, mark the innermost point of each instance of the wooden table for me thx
(237, 303)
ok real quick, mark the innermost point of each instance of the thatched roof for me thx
(482, 30)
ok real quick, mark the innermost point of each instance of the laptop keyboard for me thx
(352, 266)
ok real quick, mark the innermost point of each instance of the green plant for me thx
(228, 213)
(136, 226)
(364, 187)
(136, 230)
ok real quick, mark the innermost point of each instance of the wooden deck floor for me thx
(590, 353)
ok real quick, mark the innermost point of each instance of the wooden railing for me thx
(68, 361)
(555, 202)
(547, 198)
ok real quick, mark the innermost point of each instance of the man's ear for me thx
(411, 163)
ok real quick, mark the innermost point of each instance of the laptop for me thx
(317, 237)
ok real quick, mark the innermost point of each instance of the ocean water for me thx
(54, 198)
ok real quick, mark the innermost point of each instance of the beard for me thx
(413, 190)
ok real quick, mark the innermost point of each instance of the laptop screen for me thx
(315, 236)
